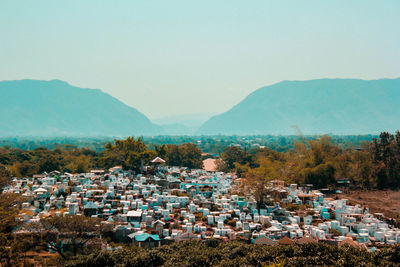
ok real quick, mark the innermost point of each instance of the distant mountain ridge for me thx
(184, 124)
(323, 106)
(48, 108)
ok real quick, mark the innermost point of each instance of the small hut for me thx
(158, 160)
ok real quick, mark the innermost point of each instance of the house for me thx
(145, 240)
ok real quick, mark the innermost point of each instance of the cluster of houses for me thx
(169, 204)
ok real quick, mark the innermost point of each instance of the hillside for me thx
(185, 124)
(48, 108)
(335, 106)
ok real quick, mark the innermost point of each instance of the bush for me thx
(231, 223)
(217, 253)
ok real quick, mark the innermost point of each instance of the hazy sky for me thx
(176, 57)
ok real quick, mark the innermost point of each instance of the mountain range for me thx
(323, 106)
(49, 108)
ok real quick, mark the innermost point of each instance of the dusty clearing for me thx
(387, 201)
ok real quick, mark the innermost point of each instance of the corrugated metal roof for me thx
(145, 236)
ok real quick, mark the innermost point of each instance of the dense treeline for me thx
(214, 253)
(133, 154)
(208, 144)
(31, 143)
(386, 158)
(321, 162)
(130, 153)
(24, 163)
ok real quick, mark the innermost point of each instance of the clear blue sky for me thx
(176, 57)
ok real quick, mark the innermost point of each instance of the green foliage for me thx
(9, 207)
(56, 232)
(320, 176)
(29, 162)
(232, 155)
(161, 150)
(4, 176)
(319, 160)
(208, 144)
(10, 250)
(321, 163)
(185, 155)
(217, 253)
(386, 156)
(129, 153)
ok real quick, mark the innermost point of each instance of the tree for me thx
(24, 168)
(386, 156)
(72, 230)
(232, 155)
(4, 176)
(130, 153)
(9, 207)
(10, 250)
(191, 156)
(49, 163)
(161, 151)
(186, 155)
(361, 169)
(4, 157)
(320, 176)
(256, 180)
(174, 156)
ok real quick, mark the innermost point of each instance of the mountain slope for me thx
(43, 108)
(337, 106)
(185, 124)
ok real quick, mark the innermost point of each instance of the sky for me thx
(172, 57)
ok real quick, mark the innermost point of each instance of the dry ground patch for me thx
(383, 201)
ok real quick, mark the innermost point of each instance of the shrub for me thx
(214, 252)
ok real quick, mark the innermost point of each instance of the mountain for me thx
(185, 124)
(189, 120)
(324, 106)
(48, 108)
(177, 129)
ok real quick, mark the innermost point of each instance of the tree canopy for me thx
(192, 253)
(131, 154)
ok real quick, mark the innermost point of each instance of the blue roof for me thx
(145, 236)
